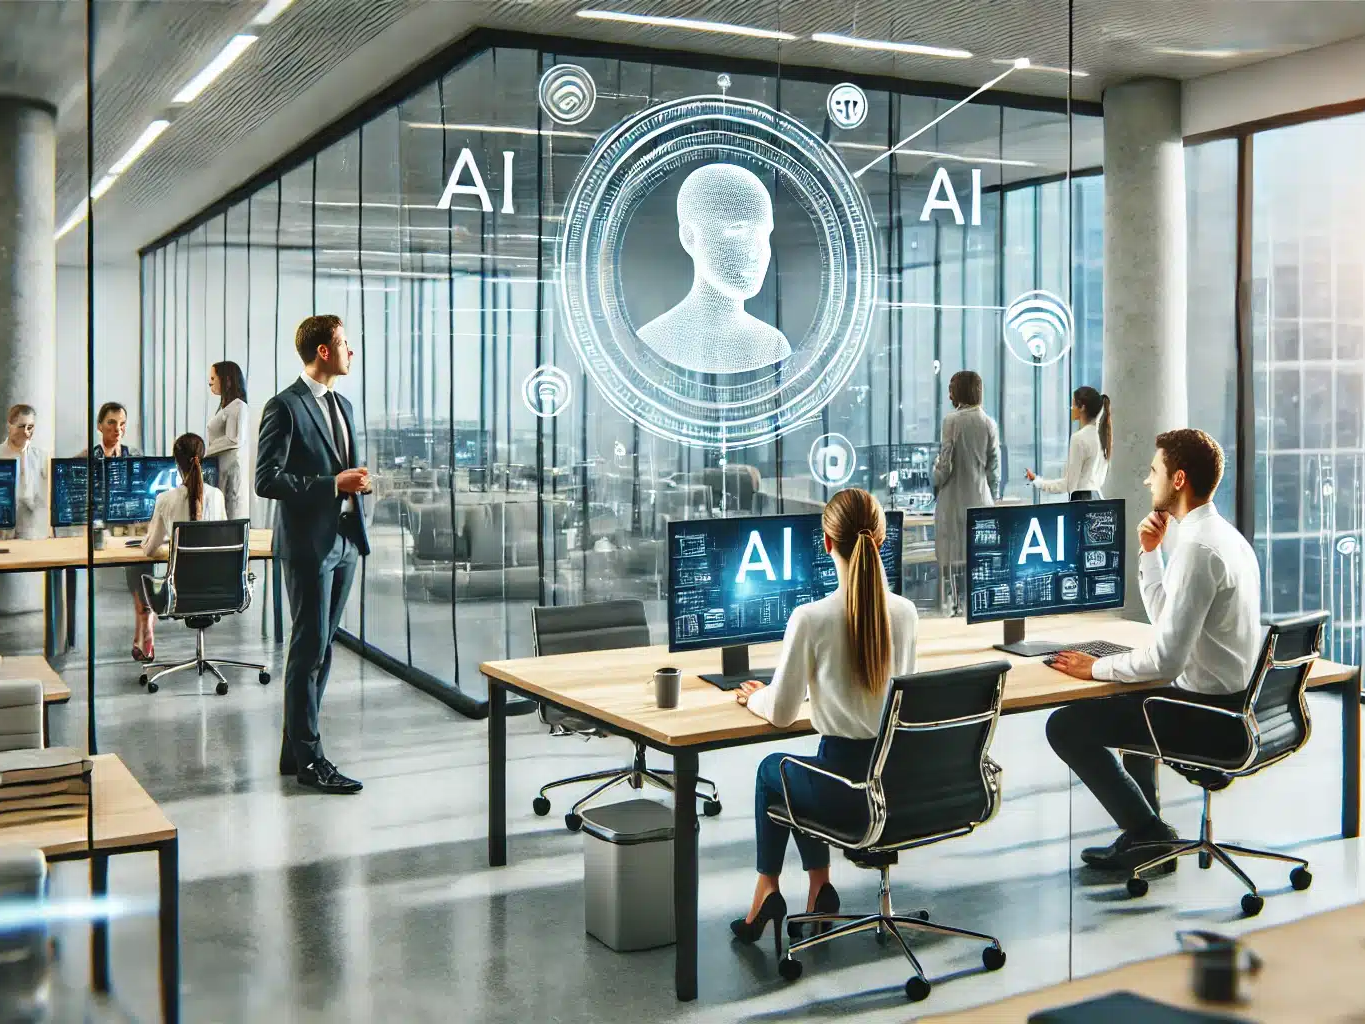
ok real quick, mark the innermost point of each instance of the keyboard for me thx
(1097, 648)
(724, 682)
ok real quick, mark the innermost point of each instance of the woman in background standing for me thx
(229, 438)
(1087, 460)
(966, 475)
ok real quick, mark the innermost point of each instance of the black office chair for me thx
(605, 626)
(1272, 724)
(930, 778)
(206, 579)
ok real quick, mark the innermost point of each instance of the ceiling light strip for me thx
(1046, 68)
(890, 46)
(236, 46)
(692, 24)
(144, 141)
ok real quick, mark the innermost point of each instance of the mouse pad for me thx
(1127, 1008)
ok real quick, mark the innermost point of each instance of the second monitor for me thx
(131, 486)
(734, 582)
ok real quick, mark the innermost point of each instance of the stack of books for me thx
(37, 785)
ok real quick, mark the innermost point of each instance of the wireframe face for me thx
(725, 222)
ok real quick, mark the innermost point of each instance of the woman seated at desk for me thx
(192, 500)
(842, 651)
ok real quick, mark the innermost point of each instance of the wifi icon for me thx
(567, 93)
(546, 391)
(1038, 327)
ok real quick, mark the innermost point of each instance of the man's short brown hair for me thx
(1199, 455)
(313, 333)
(15, 411)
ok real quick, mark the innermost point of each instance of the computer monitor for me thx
(68, 491)
(1043, 560)
(735, 582)
(132, 484)
(470, 446)
(9, 493)
(908, 474)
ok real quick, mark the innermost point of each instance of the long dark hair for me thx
(231, 383)
(854, 521)
(189, 457)
(1092, 403)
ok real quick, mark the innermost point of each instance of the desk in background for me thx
(1311, 971)
(59, 556)
(614, 689)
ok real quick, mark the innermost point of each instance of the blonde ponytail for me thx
(854, 521)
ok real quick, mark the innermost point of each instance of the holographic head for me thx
(725, 220)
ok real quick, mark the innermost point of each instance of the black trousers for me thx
(317, 599)
(1085, 735)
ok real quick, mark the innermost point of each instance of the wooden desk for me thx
(1311, 972)
(615, 688)
(55, 690)
(127, 820)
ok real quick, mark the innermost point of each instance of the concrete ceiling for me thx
(323, 57)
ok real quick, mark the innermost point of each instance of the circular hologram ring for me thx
(832, 460)
(715, 409)
(1038, 328)
(547, 391)
(567, 93)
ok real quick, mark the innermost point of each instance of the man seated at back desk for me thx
(1206, 609)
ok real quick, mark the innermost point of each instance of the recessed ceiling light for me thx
(1211, 54)
(270, 12)
(694, 24)
(149, 135)
(884, 44)
(1030, 66)
(236, 46)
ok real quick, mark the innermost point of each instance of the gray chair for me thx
(1272, 724)
(605, 626)
(930, 778)
(206, 579)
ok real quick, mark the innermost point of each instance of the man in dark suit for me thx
(306, 463)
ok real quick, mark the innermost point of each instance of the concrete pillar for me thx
(1144, 287)
(28, 287)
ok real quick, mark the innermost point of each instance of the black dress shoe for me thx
(774, 909)
(323, 776)
(1133, 848)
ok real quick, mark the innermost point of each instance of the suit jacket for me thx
(296, 466)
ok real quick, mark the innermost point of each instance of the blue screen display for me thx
(1044, 559)
(68, 498)
(131, 486)
(9, 488)
(737, 581)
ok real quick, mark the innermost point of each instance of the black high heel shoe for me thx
(774, 909)
(826, 902)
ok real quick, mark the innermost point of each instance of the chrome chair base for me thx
(637, 776)
(200, 663)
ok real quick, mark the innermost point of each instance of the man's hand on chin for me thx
(1074, 663)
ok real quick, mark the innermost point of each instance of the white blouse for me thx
(817, 659)
(227, 428)
(1086, 466)
(174, 507)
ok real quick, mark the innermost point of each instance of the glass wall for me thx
(484, 509)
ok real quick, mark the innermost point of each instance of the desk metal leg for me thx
(277, 605)
(168, 863)
(497, 775)
(99, 926)
(1350, 757)
(53, 604)
(685, 872)
(71, 608)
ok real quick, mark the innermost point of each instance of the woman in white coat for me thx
(30, 514)
(229, 438)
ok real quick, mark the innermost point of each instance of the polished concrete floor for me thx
(300, 907)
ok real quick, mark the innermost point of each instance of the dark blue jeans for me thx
(812, 796)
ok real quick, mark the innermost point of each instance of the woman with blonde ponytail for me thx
(840, 651)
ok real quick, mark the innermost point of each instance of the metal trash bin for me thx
(628, 874)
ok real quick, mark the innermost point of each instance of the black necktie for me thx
(337, 436)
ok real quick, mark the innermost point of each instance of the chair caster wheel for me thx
(789, 969)
(710, 808)
(1205, 861)
(923, 915)
(1137, 887)
(882, 937)
(1252, 904)
(142, 679)
(1300, 878)
(916, 989)
(221, 689)
(541, 806)
(992, 958)
(573, 822)
(152, 687)
(263, 678)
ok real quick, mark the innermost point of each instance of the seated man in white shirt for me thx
(1206, 609)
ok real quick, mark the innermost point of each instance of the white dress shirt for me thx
(1086, 466)
(30, 514)
(1206, 607)
(174, 507)
(320, 394)
(817, 658)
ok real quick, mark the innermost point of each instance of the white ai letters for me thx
(948, 201)
(1036, 544)
(756, 557)
(466, 165)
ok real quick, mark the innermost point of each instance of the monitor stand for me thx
(734, 669)
(1016, 644)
